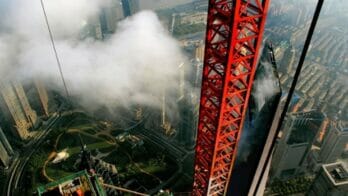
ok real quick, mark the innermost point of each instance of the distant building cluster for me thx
(313, 142)
(294, 15)
(317, 88)
(322, 83)
(105, 24)
(19, 116)
(193, 18)
(189, 73)
(308, 142)
(18, 119)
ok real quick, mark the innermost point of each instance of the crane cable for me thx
(54, 49)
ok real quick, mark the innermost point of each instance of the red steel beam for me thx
(233, 39)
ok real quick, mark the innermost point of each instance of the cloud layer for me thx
(135, 66)
(266, 86)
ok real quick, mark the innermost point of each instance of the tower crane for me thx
(233, 39)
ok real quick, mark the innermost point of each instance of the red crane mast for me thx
(233, 39)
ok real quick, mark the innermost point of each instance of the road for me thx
(20, 163)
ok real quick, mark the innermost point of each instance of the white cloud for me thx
(265, 87)
(136, 65)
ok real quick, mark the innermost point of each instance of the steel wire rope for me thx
(54, 49)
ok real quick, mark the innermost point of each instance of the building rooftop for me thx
(343, 126)
(305, 126)
(79, 183)
(337, 173)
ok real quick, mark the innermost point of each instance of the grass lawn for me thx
(56, 174)
(99, 145)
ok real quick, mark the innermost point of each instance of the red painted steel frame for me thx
(233, 38)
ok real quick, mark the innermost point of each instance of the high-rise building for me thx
(104, 24)
(332, 180)
(335, 142)
(182, 81)
(92, 28)
(130, 7)
(18, 114)
(110, 15)
(199, 54)
(43, 97)
(103, 20)
(187, 106)
(97, 30)
(188, 122)
(5, 150)
(28, 111)
(4, 156)
(295, 143)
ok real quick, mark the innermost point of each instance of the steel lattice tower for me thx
(233, 39)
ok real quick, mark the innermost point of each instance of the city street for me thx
(19, 163)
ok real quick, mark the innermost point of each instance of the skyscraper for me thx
(188, 123)
(97, 30)
(110, 15)
(43, 97)
(187, 106)
(335, 142)
(4, 156)
(18, 114)
(182, 81)
(294, 146)
(199, 54)
(5, 150)
(332, 180)
(28, 111)
(130, 7)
